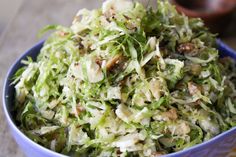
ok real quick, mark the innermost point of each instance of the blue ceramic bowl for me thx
(219, 146)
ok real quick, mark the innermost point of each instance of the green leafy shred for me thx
(124, 80)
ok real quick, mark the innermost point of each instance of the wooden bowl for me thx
(216, 14)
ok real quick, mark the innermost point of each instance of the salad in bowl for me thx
(126, 80)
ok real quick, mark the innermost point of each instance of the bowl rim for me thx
(35, 145)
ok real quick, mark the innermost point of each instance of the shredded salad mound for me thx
(125, 80)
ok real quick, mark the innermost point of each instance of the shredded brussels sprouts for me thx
(124, 80)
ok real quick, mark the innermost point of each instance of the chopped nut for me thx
(181, 128)
(193, 88)
(115, 63)
(186, 48)
(171, 114)
(99, 61)
(79, 108)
